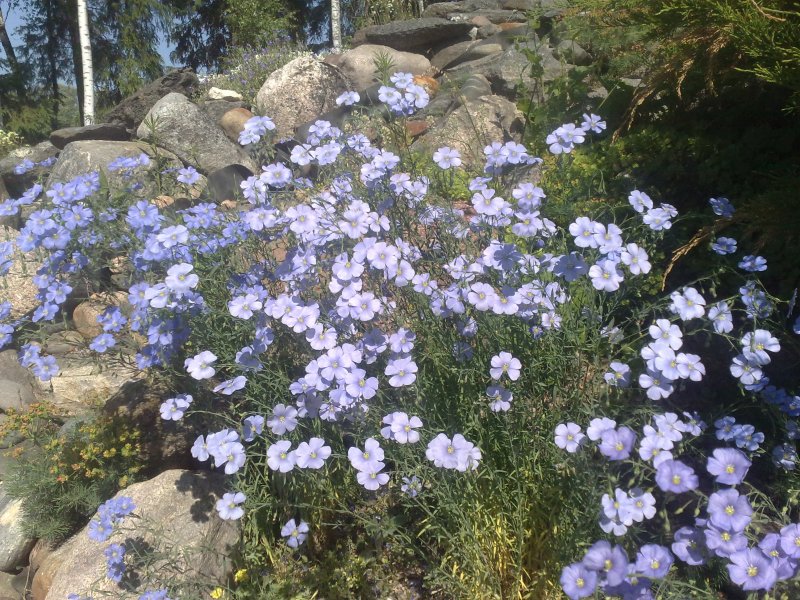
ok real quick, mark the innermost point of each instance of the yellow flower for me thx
(240, 575)
(217, 593)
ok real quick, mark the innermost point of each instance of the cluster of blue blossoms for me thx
(346, 272)
(757, 557)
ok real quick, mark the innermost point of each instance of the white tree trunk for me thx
(336, 25)
(86, 63)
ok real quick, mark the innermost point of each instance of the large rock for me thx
(45, 563)
(475, 52)
(79, 158)
(14, 544)
(216, 93)
(472, 126)
(176, 516)
(84, 316)
(415, 34)
(87, 380)
(444, 57)
(528, 5)
(17, 183)
(442, 9)
(132, 110)
(300, 91)
(103, 131)
(17, 285)
(572, 52)
(232, 122)
(164, 443)
(358, 64)
(509, 70)
(494, 16)
(183, 128)
(216, 109)
(16, 383)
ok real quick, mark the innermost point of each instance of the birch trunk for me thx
(336, 25)
(86, 63)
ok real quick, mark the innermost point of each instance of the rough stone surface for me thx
(442, 9)
(17, 184)
(16, 383)
(414, 34)
(182, 128)
(164, 443)
(358, 64)
(177, 511)
(476, 52)
(506, 71)
(572, 52)
(526, 5)
(444, 57)
(299, 92)
(493, 16)
(14, 544)
(216, 93)
(103, 131)
(132, 110)
(64, 342)
(84, 316)
(232, 122)
(85, 156)
(488, 31)
(47, 566)
(472, 126)
(12, 586)
(86, 380)
(225, 183)
(17, 286)
(216, 108)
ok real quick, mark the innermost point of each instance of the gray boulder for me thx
(415, 34)
(14, 544)
(358, 64)
(86, 380)
(183, 128)
(473, 125)
(475, 52)
(447, 55)
(216, 109)
(572, 52)
(177, 519)
(537, 5)
(18, 287)
(299, 92)
(442, 9)
(16, 184)
(495, 16)
(130, 112)
(104, 131)
(509, 70)
(79, 158)
(16, 383)
(216, 93)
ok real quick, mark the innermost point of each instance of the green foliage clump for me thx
(69, 471)
(694, 47)
(246, 68)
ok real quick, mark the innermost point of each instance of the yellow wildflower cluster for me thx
(95, 449)
(8, 141)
